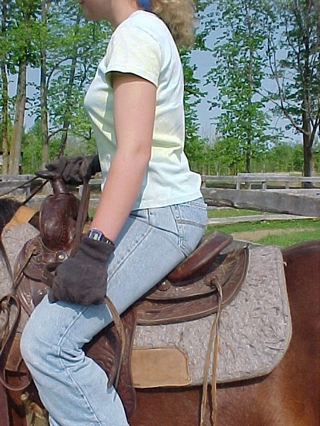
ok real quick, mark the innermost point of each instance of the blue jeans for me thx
(72, 387)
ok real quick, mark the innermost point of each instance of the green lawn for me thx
(275, 232)
(226, 212)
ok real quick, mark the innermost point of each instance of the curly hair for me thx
(178, 15)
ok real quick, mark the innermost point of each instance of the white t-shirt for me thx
(142, 45)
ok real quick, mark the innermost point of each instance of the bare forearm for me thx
(134, 109)
(119, 193)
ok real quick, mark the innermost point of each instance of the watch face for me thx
(95, 235)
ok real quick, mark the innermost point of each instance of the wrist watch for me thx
(97, 235)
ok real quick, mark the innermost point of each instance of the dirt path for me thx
(257, 235)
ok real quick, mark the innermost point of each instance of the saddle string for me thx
(81, 217)
(114, 374)
(9, 301)
(6, 305)
(213, 347)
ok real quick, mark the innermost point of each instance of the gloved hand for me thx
(74, 170)
(82, 279)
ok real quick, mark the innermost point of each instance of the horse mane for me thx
(8, 207)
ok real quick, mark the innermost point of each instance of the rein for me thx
(22, 185)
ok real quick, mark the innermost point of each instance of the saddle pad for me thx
(164, 366)
(13, 238)
(255, 328)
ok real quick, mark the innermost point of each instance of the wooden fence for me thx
(10, 182)
(240, 181)
(262, 180)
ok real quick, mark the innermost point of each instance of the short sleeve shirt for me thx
(142, 45)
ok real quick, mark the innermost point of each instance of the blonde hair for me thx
(178, 15)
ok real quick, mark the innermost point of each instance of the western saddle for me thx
(189, 292)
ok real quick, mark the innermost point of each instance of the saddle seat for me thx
(198, 261)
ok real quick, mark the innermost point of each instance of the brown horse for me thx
(288, 396)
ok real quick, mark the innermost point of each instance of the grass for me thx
(273, 232)
(227, 212)
(279, 232)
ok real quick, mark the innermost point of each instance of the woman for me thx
(150, 216)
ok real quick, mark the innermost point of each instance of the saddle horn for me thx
(58, 214)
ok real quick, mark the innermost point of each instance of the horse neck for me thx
(8, 208)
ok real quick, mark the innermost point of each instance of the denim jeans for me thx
(72, 387)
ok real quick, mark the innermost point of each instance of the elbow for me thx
(141, 153)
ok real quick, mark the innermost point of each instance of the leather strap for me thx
(4, 409)
(9, 302)
(212, 351)
(82, 216)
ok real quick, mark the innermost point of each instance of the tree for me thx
(294, 58)
(21, 37)
(192, 96)
(239, 74)
(65, 49)
(194, 144)
(4, 120)
(70, 50)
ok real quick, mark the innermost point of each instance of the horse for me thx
(289, 395)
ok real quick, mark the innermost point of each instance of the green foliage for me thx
(219, 157)
(73, 49)
(239, 74)
(32, 147)
(265, 53)
(296, 94)
(194, 145)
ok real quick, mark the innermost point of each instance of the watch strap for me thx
(97, 235)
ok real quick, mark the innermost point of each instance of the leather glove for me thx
(74, 170)
(82, 279)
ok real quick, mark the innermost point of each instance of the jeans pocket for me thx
(193, 213)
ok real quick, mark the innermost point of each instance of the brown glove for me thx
(82, 279)
(74, 170)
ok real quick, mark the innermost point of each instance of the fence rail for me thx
(12, 182)
(240, 181)
(247, 180)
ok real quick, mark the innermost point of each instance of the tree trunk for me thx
(307, 146)
(44, 112)
(43, 90)
(4, 119)
(66, 121)
(17, 131)
(308, 160)
(5, 97)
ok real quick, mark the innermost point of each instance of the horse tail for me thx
(8, 207)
